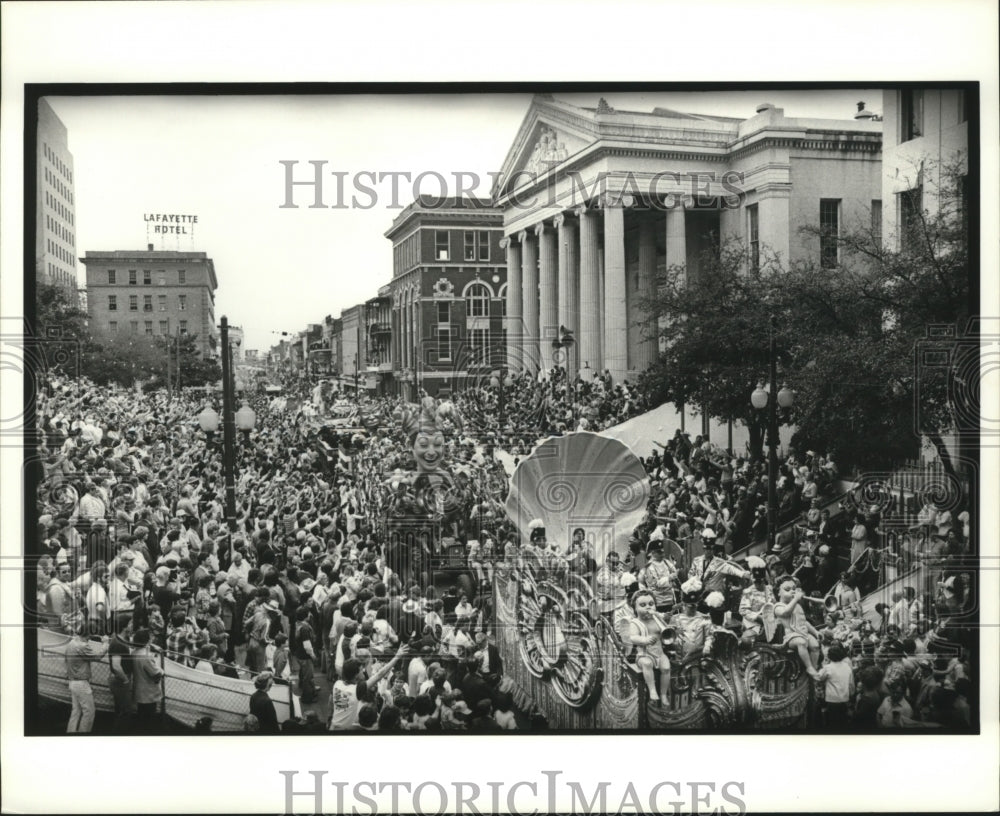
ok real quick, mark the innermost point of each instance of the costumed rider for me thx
(659, 577)
(694, 629)
(609, 583)
(754, 599)
(712, 568)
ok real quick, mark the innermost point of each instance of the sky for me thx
(219, 157)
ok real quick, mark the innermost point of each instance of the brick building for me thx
(447, 295)
(152, 293)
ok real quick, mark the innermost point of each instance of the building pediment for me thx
(550, 134)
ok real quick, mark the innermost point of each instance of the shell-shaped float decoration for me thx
(580, 480)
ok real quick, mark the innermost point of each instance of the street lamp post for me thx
(771, 399)
(228, 427)
(501, 382)
(566, 340)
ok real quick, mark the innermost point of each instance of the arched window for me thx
(502, 294)
(477, 299)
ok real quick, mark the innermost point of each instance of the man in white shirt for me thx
(838, 679)
(118, 589)
(239, 567)
(91, 505)
(900, 614)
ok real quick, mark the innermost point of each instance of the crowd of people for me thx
(135, 545)
(306, 589)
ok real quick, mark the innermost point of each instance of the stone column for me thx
(548, 312)
(676, 238)
(529, 288)
(513, 321)
(615, 314)
(589, 334)
(646, 350)
(569, 294)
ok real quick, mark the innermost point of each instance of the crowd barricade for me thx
(188, 694)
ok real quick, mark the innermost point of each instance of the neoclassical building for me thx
(596, 201)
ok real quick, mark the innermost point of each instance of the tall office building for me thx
(55, 204)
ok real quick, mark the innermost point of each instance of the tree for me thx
(715, 332)
(845, 338)
(126, 358)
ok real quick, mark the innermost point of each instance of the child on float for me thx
(646, 630)
(799, 633)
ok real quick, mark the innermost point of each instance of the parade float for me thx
(427, 509)
(561, 636)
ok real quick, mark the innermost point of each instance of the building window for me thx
(113, 326)
(131, 277)
(112, 303)
(161, 302)
(444, 344)
(477, 245)
(181, 276)
(161, 278)
(147, 277)
(135, 326)
(877, 220)
(829, 231)
(182, 302)
(149, 328)
(910, 208)
(477, 299)
(183, 327)
(164, 327)
(479, 340)
(133, 303)
(444, 313)
(147, 303)
(111, 276)
(911, 115)
(753, 236)
(441, 249)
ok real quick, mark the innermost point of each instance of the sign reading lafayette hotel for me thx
(169, 224)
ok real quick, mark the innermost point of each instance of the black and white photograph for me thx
(487, 411)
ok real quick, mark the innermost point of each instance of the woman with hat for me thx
(645, 632)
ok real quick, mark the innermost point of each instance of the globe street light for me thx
(246, 418)
(208, 419)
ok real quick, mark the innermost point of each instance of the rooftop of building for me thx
(145, 254)
(461, 209)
